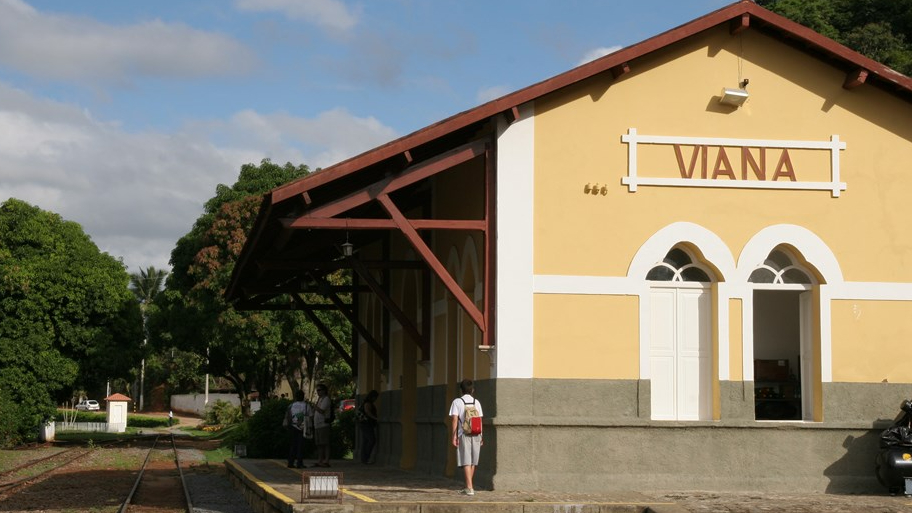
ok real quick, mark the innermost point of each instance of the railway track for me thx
(159, 483)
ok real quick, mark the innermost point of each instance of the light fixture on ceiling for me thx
(347, 247)
(735, 96)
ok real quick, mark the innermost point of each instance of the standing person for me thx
(170, 417)
(321, 426)
(468, 447)
(296, 421)
(367, 423)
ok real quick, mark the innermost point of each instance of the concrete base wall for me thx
(591, 435)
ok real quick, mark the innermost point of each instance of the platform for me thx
(270, 486)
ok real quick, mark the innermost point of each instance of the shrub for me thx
(239, 434)
(146, 422)
(267, 438)
(342, 439)
(222, 413)
(14, 418)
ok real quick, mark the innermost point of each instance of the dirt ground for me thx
(100, 481)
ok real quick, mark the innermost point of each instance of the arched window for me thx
(779, 268)
(678, 266)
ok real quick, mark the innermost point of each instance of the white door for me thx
(681, 354)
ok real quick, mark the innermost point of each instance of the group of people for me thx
(309, 420)
(466, 441)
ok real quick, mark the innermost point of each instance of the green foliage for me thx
(145, 421)
(13, 416)
(179, 370)
(252, 349)
(66, 317)
(879, 29)
(267, 438)
(342, 438)
(222, 413)
(239, 435)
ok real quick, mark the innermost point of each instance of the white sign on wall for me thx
(730, 163)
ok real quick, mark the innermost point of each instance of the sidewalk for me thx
(371, 489)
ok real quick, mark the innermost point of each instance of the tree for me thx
(252, 349)
(879, 29)
(146, 285)
(67, 319)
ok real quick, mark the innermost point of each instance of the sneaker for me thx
(467, 491)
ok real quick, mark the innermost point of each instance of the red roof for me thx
(342, 178)
(117, 397)
(741, 15)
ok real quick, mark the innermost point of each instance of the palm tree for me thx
(145, 286)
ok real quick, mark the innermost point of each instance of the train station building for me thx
(686, 264)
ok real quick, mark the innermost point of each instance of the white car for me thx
(88, 405)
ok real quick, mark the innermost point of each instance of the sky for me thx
(124, 116)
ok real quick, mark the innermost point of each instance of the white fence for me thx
(91, 427)
(196, 403)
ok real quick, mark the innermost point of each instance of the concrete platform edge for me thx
(259, 495)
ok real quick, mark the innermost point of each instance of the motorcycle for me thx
(893, 465)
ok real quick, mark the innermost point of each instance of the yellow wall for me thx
(793, 96)
(576, 338)
(871, 341)
(674, 92)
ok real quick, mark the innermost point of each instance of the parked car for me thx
(88, 405)
(346, 405)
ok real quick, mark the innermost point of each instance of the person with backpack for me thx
(297, 418)
(465, 416)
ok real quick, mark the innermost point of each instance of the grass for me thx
(218, 455)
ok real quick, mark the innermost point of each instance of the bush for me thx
(238, 434)
(267, 438)
(342, 439)
(222, 413)
(146, 422)
(14, 420)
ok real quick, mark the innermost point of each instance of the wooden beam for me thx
(511, 114)
(467, 304)
(339, 223)
(620, 70)
(280, 307)
(327, 333)
(407, 177)
(739, 24)
(855, 78)
(256, 290)
(334, 265)
(350, 315)
(407, 325)
(490, 256)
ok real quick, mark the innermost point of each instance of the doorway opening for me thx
(782, 339)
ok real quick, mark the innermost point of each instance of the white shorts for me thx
(468, 451)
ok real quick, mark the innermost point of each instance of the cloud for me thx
(329, 14)
(74, 48)
(492, 93)
(136, 194)
(595, 53)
